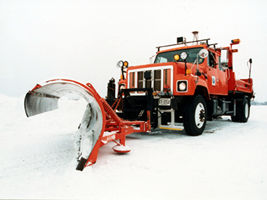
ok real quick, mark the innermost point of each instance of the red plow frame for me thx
(118, 127)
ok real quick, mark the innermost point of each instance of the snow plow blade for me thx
(44, 98)
(100, 123)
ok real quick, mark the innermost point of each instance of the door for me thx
(213, 82)
(217, 76)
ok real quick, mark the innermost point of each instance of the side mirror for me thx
(203, 53)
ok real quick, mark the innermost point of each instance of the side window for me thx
(220, 64)
(224, 56)
(211, 60)
(224, 59)
(161, 60)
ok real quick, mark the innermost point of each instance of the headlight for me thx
(182, 86)
(120, 64)
(183, 55)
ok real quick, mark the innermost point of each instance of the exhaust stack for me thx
(195, 36)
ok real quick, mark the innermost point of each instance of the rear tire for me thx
(195, 116)
(242, 110)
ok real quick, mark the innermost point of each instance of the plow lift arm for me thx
(100, 123)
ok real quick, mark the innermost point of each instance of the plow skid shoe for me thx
(44, 98)
(121, 149)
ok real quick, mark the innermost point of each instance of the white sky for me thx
(83, 39)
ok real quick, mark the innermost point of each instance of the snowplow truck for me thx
(188, 84)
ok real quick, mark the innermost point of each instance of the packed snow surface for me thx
(37, 156)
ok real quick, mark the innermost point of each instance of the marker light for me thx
(188, 71)
(155, 93)
(125, 64)
(176, 57)
(235, 41)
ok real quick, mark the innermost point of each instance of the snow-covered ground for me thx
(229, 161)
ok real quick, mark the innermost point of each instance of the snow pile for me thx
(37, 159)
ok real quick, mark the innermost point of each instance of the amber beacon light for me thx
(235, 41)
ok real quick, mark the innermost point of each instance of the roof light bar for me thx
(179, 43)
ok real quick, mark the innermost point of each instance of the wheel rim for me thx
(200, 115)
(246, 110)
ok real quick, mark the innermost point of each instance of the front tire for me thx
(195, 116)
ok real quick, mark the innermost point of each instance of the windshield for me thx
(168, 56)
